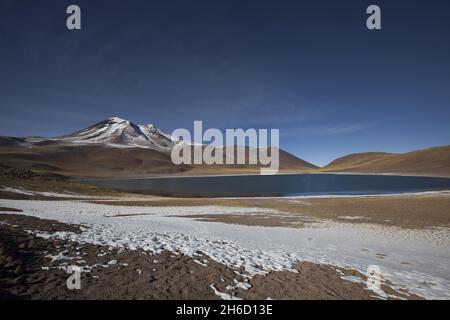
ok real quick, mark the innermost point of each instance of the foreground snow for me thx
(417, 260)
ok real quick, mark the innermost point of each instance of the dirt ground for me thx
(406, 211)
(35, 268)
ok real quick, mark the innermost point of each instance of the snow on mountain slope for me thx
(122, 133)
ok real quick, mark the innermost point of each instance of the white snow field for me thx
(415, 260)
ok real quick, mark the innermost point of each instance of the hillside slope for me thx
(433, 161)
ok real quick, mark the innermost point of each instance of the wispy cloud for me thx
(326, 130)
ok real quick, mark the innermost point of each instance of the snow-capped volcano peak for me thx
(119, 132)
(116, 120)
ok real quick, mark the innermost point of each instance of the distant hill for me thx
(116, 148)
(433, 161)
(119, 148)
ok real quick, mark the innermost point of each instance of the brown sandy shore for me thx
(34, 268)
(406, 211)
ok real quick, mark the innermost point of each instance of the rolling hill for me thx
(119, 148)
(432, 161)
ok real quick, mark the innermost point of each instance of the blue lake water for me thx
(277, 185)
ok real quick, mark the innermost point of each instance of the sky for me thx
(309, 68)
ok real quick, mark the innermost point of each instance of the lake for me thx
(276, 185)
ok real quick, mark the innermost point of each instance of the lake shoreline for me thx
(285, 185)
(169, 176)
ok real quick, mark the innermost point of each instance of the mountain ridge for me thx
(118, 132)
(116, 147)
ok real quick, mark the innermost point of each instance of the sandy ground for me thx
(408, 210)
(35, 268)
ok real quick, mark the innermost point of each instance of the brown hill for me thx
(102, 160)
(98, 160)
(433, 161)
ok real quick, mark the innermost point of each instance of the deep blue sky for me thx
(310, 68)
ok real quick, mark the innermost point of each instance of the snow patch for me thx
(223, 295)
